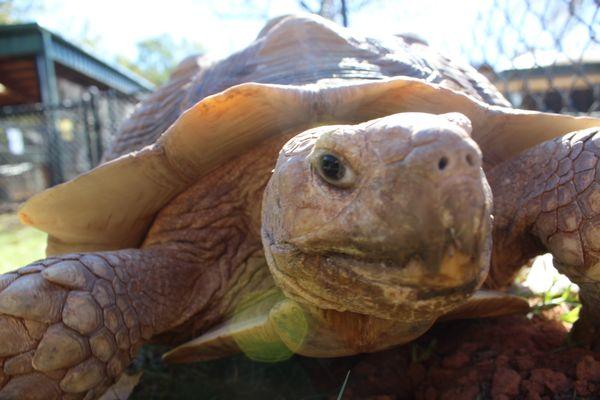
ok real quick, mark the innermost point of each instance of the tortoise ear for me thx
(459, 119)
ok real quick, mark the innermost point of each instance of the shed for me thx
(59, 106)
(39, 66)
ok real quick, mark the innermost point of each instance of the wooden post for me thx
(50, 100)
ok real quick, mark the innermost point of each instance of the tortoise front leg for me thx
(70, 325)
(548, 200)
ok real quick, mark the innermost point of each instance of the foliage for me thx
(157, 56)
(565, 305)
(12, 11)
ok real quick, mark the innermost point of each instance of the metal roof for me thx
(32, 39)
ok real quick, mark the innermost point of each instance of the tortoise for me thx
(318, 193)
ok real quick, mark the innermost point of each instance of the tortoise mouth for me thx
(452, 268)
(384, 288)
(450, 271)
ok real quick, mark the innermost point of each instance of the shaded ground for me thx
(502, 358)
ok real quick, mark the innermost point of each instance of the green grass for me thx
(19, 244)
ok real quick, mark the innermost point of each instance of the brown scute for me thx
(60, 347)
(14, 337)
(32, 297)
(34, 386)
(83, 377)
(19, 365)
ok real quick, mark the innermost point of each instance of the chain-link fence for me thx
(46, 145)
(542, 54)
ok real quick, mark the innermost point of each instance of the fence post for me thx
(111, 100)
(96, 121)
(89, 140)
(49, 94)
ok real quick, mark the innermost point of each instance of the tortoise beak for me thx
(436, 214)
(464, 217)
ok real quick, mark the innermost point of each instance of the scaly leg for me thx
(70, 325)
(548, 200)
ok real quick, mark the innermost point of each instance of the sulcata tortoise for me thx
(318, 193)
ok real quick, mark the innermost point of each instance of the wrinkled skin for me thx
(394, 231)
(548, 200)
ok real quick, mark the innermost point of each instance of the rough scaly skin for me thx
(69, 325)
(548, 200)
(215, 224)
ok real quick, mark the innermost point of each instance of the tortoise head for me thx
(389, 218)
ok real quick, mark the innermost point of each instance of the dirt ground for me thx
(511, 357)
(504, 358)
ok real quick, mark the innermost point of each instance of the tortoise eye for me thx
(333, 170)
(331, 167)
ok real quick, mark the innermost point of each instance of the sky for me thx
(467, 29)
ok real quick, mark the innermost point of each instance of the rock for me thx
(544, 378)
(456, 360)
(588, 369)
(505, 382)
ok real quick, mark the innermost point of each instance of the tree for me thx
(157, 56)
(335, 10)
(12, 11)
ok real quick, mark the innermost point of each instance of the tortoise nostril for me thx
(469, 159)
(443, 163)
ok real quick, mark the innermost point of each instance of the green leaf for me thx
(571, 316)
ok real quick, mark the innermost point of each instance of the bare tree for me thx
(335, 10)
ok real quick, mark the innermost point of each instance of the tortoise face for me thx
(389, 218)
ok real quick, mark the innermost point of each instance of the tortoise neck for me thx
(514, 214)
(212, 232)
(331, 333)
